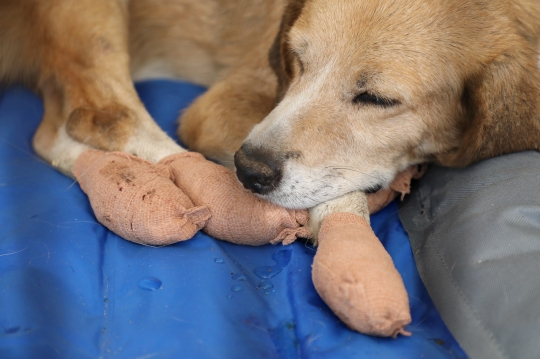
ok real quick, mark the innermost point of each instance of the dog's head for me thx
(368, 88)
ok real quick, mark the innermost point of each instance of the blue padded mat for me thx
(69, 288)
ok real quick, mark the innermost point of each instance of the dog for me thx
(308, 99)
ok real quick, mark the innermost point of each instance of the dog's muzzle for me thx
(257, 169)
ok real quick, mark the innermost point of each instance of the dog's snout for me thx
(257, 169)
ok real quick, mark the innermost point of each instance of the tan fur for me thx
(464, 72)
(218, 122)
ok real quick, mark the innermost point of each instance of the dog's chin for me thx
(302, 187)
(305, 199)
(291, 200)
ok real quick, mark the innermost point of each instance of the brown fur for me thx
(502, 111)
(107, 128)
(464, 74)
(280, 57)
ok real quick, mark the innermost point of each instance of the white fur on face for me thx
(304, 187)
(278, 122)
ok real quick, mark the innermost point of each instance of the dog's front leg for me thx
(219, 121)
(352, 202)
(81, 65)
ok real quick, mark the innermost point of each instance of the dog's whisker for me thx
(12, 253)
(350, 169)
(37, 158)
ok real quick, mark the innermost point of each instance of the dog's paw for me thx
(357, 278)
(136, 199)
(238, 216)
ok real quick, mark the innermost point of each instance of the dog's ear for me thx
(280, 57)
(501, 105)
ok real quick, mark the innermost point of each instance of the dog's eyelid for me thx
(370, 98)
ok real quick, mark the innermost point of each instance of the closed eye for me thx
(371, 99)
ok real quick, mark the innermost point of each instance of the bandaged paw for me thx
(238, 216)
(136, 199)
(355, 276)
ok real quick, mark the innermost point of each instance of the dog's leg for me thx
(77, 55)
(218, 122)
(353, 202)
(221, 44)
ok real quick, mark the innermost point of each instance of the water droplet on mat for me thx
(282, 258)
(236, 288)
(239, 277)
(150, 284)
(266, 285)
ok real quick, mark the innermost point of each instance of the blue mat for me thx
(69, 288)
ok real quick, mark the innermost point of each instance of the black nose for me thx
(257, 169)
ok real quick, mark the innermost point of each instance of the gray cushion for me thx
(475, 235)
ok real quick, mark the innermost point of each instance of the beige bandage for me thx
(356, 277)
(238, 216)
(136, 199)
(400, 185)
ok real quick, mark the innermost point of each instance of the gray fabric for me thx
(475, 234)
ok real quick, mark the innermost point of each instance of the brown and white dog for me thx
(327, 96)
